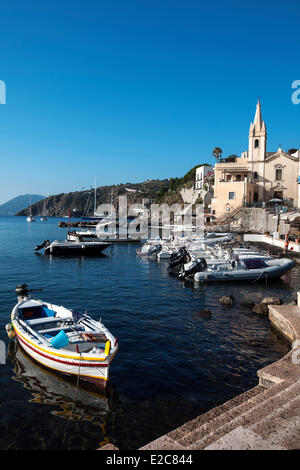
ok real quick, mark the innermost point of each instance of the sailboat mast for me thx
(95, 196)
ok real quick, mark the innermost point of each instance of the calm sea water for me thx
(171, 366)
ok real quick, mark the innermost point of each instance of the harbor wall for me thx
(251, 219)
(293, 247)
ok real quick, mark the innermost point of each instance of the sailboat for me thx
(95, 217)
(30, 218)
(44, 218)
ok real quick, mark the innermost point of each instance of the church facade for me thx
(258, 176)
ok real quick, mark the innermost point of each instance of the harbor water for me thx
(172, 365)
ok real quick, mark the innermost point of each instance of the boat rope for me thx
(75, 399)
(258, 278)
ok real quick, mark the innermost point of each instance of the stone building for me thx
(257, 176)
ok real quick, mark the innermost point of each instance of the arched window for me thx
(256, 143)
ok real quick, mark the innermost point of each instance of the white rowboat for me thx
(63, 340)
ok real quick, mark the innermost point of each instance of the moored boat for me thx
(77, 247)
(31, 217)
(245, 269)
(61, 339)
(149, 250)
(91, 235)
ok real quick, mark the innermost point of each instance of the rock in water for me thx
(272, 301)
(204, 313)
(261, 309)
(226, 300)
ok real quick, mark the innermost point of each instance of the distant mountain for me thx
(19, 203)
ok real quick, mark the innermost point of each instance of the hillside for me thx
(18, 203)
(81, 203)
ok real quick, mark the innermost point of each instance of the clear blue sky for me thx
(127, 90)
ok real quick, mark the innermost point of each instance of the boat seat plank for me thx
(65, 328)
(43, 321)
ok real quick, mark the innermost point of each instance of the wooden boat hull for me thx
(95, 373)
(80, 359)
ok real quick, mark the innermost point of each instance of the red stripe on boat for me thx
(81, 364)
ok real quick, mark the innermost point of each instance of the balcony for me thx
(233, 166)
(235, 180)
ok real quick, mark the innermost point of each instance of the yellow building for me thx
(257, 176)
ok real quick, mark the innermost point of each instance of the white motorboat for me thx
(91, 235)
(245, 269)
(166, 253)
(149, 249)
(82, 235)
(61, 339)
(72, 248)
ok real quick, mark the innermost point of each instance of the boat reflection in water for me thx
(77, 402)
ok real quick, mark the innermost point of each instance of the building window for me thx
(278, 174)
(228, 177)
(256, 143)
(238, 178)
(231, 195)
(255, 175)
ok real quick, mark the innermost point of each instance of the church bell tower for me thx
(257, 137)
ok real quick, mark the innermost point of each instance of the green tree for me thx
(217, 152)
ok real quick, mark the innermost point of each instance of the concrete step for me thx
(191, 426)
(279, 430)
(245, 415)
(283, 425)
(171, 440)
(210, 421)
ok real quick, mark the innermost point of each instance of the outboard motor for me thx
(22, 292)
(179, 258)
(42, 245)
(196, 266)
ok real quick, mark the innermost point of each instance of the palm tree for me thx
(217, 152)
